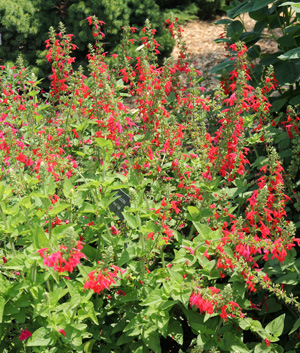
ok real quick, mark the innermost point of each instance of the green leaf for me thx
(291, 54)
(49, 186)
(175, 276)
(17, 263)
(234, 30)
(128, 254)
(131, 220)
(287, 72)
(67, 187)
(287, 41)
(226, 65)
(295, 326)
(155, 297)
(295, 6)
(289, 278)
(103, 143)
(224, 21)
(40, 337)
(152, 340)
(247, 6)
(295, 100)
(39, 237)
(88, 346)
(262, 348)
(205, 232)
(2, 303)
(233, 343)
(90, 252)
(194, 212)
(59, 207)
(278, 104)
(176, 332)
(56, 295)
(275, 327)
(195, 320)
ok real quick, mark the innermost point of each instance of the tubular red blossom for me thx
(64, 260)
(98, 280)
(62, 332)
(25, 334)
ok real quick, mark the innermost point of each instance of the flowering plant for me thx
(202, 243)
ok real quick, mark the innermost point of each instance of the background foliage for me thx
(24, 24)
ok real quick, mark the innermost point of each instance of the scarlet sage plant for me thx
(141, 212)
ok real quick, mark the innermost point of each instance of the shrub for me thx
(132, 228)
(24, 27)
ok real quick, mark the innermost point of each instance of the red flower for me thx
(25, 334)
(64, 260)
(267, 342)
(62, 332)
(101, 279)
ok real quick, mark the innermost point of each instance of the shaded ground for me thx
(199, 37)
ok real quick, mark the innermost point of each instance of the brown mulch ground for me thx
(204, 52)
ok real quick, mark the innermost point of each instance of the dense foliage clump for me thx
(128, 222)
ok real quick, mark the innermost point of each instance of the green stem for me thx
(11, 243)
(100, 246)
(143, 246)
(104, 164)
(162, 255)
(219, 326)
(191, 232)
(50, 227)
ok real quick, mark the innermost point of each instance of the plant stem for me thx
(162, 255)
(11, 243)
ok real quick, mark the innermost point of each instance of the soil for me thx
(205, 52)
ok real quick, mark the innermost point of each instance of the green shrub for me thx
(24, 26)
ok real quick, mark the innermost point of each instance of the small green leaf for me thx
(176, 332)
(276, 326)
(59, 207)
(295, 326)
(234, 30)
(291, 54)
(128, 254)
(194, 212)
(152, 340)
(131, 220)
(88, 346)
(17, 263)
(40, 337)
(67, 187)
(39, 238)
(289, 278)
(2, 303)
(103, 143)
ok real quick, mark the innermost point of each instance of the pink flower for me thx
(25, 334)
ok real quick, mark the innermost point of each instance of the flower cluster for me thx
(98, 280)
(214, 301)
(64, 260)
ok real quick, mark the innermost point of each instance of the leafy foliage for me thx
(203, 256)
